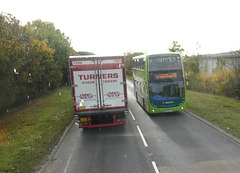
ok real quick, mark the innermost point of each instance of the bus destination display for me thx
(166, 76)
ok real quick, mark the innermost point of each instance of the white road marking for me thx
(155, 166)
(145, 143)
(132, 115)
(143, 139)
(68, 162)
(69, 159)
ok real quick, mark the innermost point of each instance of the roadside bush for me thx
(233, 85)
(205, 84)
(223, 81)
(219, 80)
(191, 68)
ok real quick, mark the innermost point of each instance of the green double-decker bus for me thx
(158, 81)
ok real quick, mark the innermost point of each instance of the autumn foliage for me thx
(29, 66)
(222, 81)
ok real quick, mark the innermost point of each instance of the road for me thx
(166, 143)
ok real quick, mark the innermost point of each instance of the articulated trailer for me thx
(99, 90)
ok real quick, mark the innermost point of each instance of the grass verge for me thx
(223, 112)
(27, 133)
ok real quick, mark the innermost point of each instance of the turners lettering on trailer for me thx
(100, 76)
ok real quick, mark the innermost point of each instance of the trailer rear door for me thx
(98, 83)
(112, 83)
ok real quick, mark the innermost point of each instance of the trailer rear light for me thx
(114, 116)
(89, 118)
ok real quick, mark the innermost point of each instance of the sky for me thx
(113, 27)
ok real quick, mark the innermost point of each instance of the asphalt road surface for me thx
(169, 143)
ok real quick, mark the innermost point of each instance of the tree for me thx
(176, 47)
(27, 65)
(191, 69)
(128, 61)
(234, 80)
(12, 40)
(57, 41)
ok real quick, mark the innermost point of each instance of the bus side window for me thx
(143, 63)
(134, 63)
(140, 63)
(137, 63)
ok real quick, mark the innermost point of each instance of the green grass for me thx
(223, 112)
(27, 133)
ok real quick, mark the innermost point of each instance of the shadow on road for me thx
(170, 114)
(176, 125)
(117, 130)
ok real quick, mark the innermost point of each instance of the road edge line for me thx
(214, 127)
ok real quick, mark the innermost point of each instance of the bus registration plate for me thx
(83, 119)
(168, 110)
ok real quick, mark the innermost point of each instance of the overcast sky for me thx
(117, 26)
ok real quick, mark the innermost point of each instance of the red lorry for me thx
(99, 90)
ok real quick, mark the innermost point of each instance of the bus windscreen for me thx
(166, 82)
